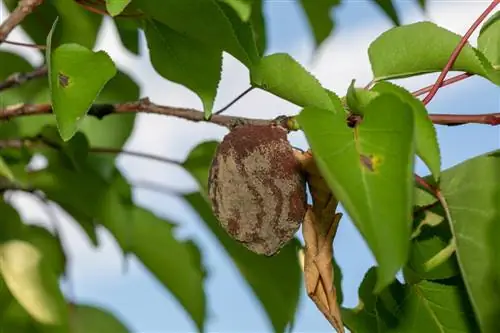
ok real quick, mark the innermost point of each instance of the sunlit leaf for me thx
(370, 170)
(115, 7)
(5, 170)
(242, 7)
(489, 39)
(76, 77)
(284, 77)
(392, 54)
(427, 146)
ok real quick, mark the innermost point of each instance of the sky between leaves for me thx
(141, 302)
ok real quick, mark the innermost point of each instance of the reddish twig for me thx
(23, 9)
(492, 119)
(446, 82)
(457, 51)
(17, 79)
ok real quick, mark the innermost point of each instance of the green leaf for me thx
(392, 54)
(427, 146)
(284, 77)
(488, 41)
(13, 63)
(472, 192)
(76, 24)
(357, 98)
(5, 170)
(202, 20)
(86, 319)
(77, 75)
(111, 131)
(423, 307)
(199, 161)
(258, 22)
(387, 6)
(318, 13)
(242, 7)
(370, 170)
(276, 281)
(433, 237)
(186, 61)
(422, 4)
(175, 264)
(129, 33)
(115, 7)
(26, 272)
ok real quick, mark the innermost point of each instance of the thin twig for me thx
(34, 46)
(106, 150)
(23, 9)
(234, 101)
(144, 105)
(457, 51)
(17, 79)
(446, 82)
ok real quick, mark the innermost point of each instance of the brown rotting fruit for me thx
(257, 189)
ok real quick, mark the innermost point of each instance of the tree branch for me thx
(17, 79)
(144, 105)
(23, 9)
(492, 119)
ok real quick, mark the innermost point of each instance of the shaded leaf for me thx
(472, 192)
(115, 7)
(258, 22)
(128, 31)
(111, 131)
(392, 54)
(422, 307)
(136, 230)
(5, 170)
(175, 264)
(489, 40)
(284, 77)
(76, 24)
(370, 170)
(276, 280)
(387, 6)
(434, 236)
(318, 13)
(14, 63)
(87, 318)
(186, 61)
(202, 20)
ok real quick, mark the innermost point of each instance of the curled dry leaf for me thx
(256, 187)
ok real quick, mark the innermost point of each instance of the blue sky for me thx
(97, 275)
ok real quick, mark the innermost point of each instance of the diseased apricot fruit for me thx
(257, 189)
